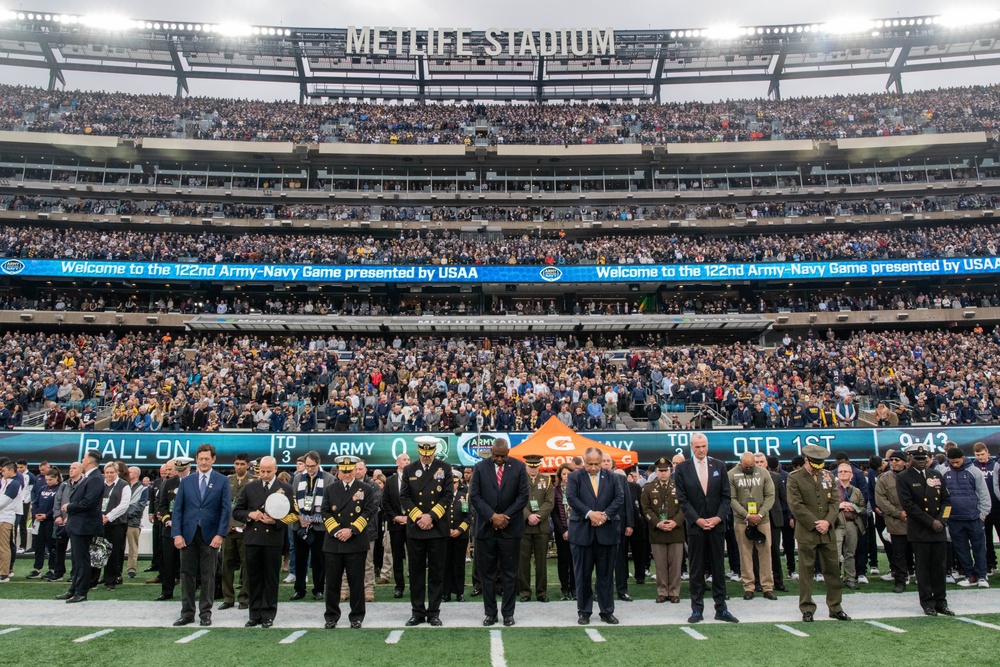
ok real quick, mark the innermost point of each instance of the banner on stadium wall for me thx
(431, 275)
(148, 450)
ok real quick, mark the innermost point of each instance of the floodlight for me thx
(963, 18)
(109, 22)
(724, 32)
(234, 29)
(847, 26)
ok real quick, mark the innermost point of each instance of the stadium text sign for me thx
(458, 42)
(445, 275)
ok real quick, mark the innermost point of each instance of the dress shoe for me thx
(151, 569)
(525, 598)
(807, 617)
(77, 598)
(226, 605)
(583, 619)
(610, 619)
(726, 616)
(769, 595)
(266, 624)
(944, 611)
(446, 598)
(297, 595)
(251, 624)
(489, 620)
(840, 616)
(317, 596)
(244, 606)
(661, 598)
(928, 611)
(899, 588)
(781, 587)
(162, 598)
(330, 625)
(183, 621)
(641, 582)
(564, 596)
(355, 625)
(399, 593)
(155, 580)
(382, 582)
(369, 597)
(624, 597)
(64, 596)
(748, 595)
(205, 622)
(542, 598)
(475, 592)
(675, 599)
(508, 622)
(435, 622)
(459, 598)
(696, 617)
(415, 620)
(758, 589)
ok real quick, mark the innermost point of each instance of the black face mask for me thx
(749, 471)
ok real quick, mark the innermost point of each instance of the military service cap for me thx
(663, 462)
(346, 463)
(917, 451)
(427, 444)
(815, 452)
(182, 462)
(533, 460)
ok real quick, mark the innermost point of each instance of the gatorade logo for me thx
(12, 267)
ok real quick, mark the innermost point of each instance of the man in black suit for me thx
(263, 539)
(625, 522)
(84, 521)
(426, 495)
(170, 567)
(923, 495)
(395, 519)
(594, 499)
(349, 506)
(499, 494)
(703, 493)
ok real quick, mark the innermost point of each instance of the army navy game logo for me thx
(550, 274)
(471, 446)
(12, 267)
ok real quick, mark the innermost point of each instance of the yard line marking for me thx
(394, 637)
(8, 631)
(594, 635)
(789, 629)
(692, 632)
(890, 628)
(190, 638)
(94, 635)
(496, 649)
(292, 637)
(979, 623)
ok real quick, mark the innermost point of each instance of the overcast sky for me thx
(530, 14)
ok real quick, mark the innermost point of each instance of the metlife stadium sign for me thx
(494, 42)
(445, 275)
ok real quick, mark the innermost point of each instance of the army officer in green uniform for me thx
(663, 513)
(541, 502)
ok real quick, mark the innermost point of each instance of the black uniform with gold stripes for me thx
(427, 489)
(458, 545)
(170, 560)
(349, 507)
(263, 543)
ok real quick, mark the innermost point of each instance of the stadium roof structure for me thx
(502, 65)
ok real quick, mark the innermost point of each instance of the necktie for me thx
(593, 483)
(204, 485)
(267, 487)
(499, 475)
(703, 475)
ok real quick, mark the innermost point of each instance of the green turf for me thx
(928, 640)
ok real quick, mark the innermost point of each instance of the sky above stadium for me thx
(520, 14)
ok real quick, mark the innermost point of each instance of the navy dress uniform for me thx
(349, 505)
(923, 495)
(170, 566)
(535, 542)
(427, 492)
(460, 520)
(234, 550)
(263, 543)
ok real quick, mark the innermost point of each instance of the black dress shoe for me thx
(489, 620)
(583, 619)
(459, 598)
(508, 622)
(205, 622)
(475, 592)
(317, 596)
(297, 595)
(610, 619)
(64, 596)
(525, 598)
(543, 598)
(244, 606)
(151, 569)
(330, 625)
(183, 621)
(930, 612)
(944, 611)
(76, 598)
(355, 625)
(226, 605)
(161, 597)
(435, 622)
(398, 593)
(840, 616)
(758, 589)
(624, 597)
(414, 620)
(807, 617)
(446, 598)
(781, 587)
(251, 624)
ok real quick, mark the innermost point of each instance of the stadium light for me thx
(963, 18)
(847, 26)
(724, 32)
(233, 29)
(109, 22)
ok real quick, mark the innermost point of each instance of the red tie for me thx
(499, 475)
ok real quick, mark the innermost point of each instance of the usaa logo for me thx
(12, 267)
(550, 274)
(471, 447)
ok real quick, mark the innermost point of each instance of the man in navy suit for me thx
(499, 494)
(594, 500)
(199, 523)
(703, 492)
(84, 521)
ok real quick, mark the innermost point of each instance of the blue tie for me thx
(204, 485)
